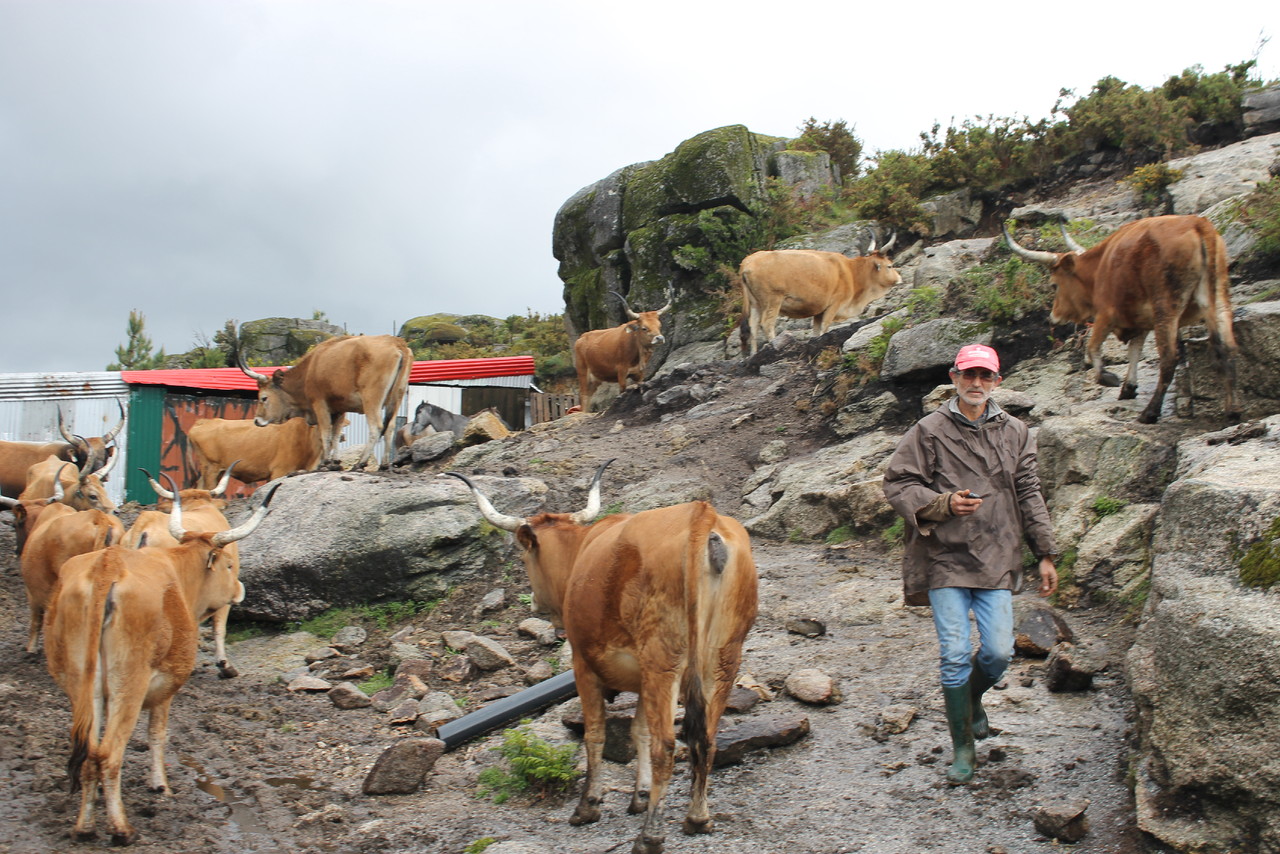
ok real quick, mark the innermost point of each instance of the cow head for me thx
(91, 454)
(212, 497)
(1072, 283)
(276, 404)
(549, 541)
(221, 570)
(645, 325)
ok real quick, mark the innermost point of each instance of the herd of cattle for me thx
(645, 611)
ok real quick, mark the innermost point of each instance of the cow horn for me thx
(1046, 258)
(217, 491)
(58, 492)
(592, 509)
(254, 375)
(247, 527)
(77, 442)
(492, 516)
(671, 297)
(106, 469)
(1069, 240)
(8, 502)
(160, 490)
(893, 237)
(115, 431)
(631, 314)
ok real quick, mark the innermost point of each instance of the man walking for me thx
(964, 478)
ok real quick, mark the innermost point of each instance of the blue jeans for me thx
(993, 610)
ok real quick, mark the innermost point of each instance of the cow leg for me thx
(1129, 390)
(328, 435)
(33, 633)
(753, 328)
(658, 696)
(157, 735)
(644, 768)
(593, 718)
(226, 670)
(769, 322)
(1101, 329)
(1167, 348)
(373, 415)
(698, 819)
(125, 708)
(83, 828)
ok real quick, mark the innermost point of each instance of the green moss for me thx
(1260, 565)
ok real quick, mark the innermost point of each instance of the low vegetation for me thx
(535, 766)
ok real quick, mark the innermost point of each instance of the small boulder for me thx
(812, 686)
(1065, 822)
(346, 695)
(402, 768)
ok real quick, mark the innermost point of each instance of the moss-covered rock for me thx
(282, 340)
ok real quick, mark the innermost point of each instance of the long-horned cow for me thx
(88, 455)
(351, 373)
(203, 511)
(79, 489)
(657, 603)
(619, 353)
(62, 533)
(120, 637)
(1160, 273)
(29, 513)
(797, 283)
(259, 453)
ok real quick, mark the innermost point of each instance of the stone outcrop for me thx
(282, 340)
(1205, 667)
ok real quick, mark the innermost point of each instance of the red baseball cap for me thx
(977, 356)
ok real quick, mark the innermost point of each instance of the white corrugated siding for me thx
(29, 406)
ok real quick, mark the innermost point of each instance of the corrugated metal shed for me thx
(512, 371)
(90, 403)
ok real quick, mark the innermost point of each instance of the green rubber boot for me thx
(979, 682)
(960, 722)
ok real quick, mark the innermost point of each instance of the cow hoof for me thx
(84, 835)
(227, 671)
(639, 803)
(585, 814)
(648, 844)
(127, 837)
(1233, 417)
(1148, 417)
(1128, 392)
(692, 827)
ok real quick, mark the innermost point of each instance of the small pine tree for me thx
(135, 353)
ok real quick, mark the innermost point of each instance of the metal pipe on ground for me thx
(499, 712)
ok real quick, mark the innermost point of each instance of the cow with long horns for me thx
(619, 353)
(89, 455)
(1160, 273)
(351, 373)
(826, 286)
(657, 603)
(120, 637)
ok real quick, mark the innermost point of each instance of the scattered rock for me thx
(1070, 668)
(494, 600)
(813, 687)
(732, 743)
(540, 630)
(488, 654)
(807, 627)
(1065, 822)
(1037, 629)
(346, 695)
(348, 638)
(437, 708)
(309, 683)
(896, 718)
(402, 768)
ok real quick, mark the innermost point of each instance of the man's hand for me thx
(963, 505)
(1048, 576)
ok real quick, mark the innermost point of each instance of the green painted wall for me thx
(146, 410)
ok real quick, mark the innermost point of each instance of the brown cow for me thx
(203, 511)
(826, 286)
(120, 637)
(62, 533)
(28, 514)
(259, 453)
(368, 374)
(657, 603)
(80, 490)
(1159, 273)
(89, 455)
(617, 354)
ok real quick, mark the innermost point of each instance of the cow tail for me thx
(399, 384)
(703, 565)
(84, 708)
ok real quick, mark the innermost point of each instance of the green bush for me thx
(835, 138)
(535, 766)
(895, 533)
(1261, 211)
(376, 683)
(1005, 290)
(1151, 181)
(840, 535)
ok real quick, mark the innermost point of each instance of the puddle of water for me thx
(242, 815)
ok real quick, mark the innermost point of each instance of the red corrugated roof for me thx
(233, 379)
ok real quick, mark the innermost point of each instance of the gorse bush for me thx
(836, 139)
(1152, 180)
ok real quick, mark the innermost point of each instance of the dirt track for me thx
(255, 768)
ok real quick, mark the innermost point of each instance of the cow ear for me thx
(277, 378)
(1067, 263)
(526, 537)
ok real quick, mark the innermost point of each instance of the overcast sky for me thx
(378, 160)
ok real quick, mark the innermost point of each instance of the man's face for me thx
(975, 385)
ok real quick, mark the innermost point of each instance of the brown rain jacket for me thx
(997, 461)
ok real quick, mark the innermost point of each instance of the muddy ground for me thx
(255, 768)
